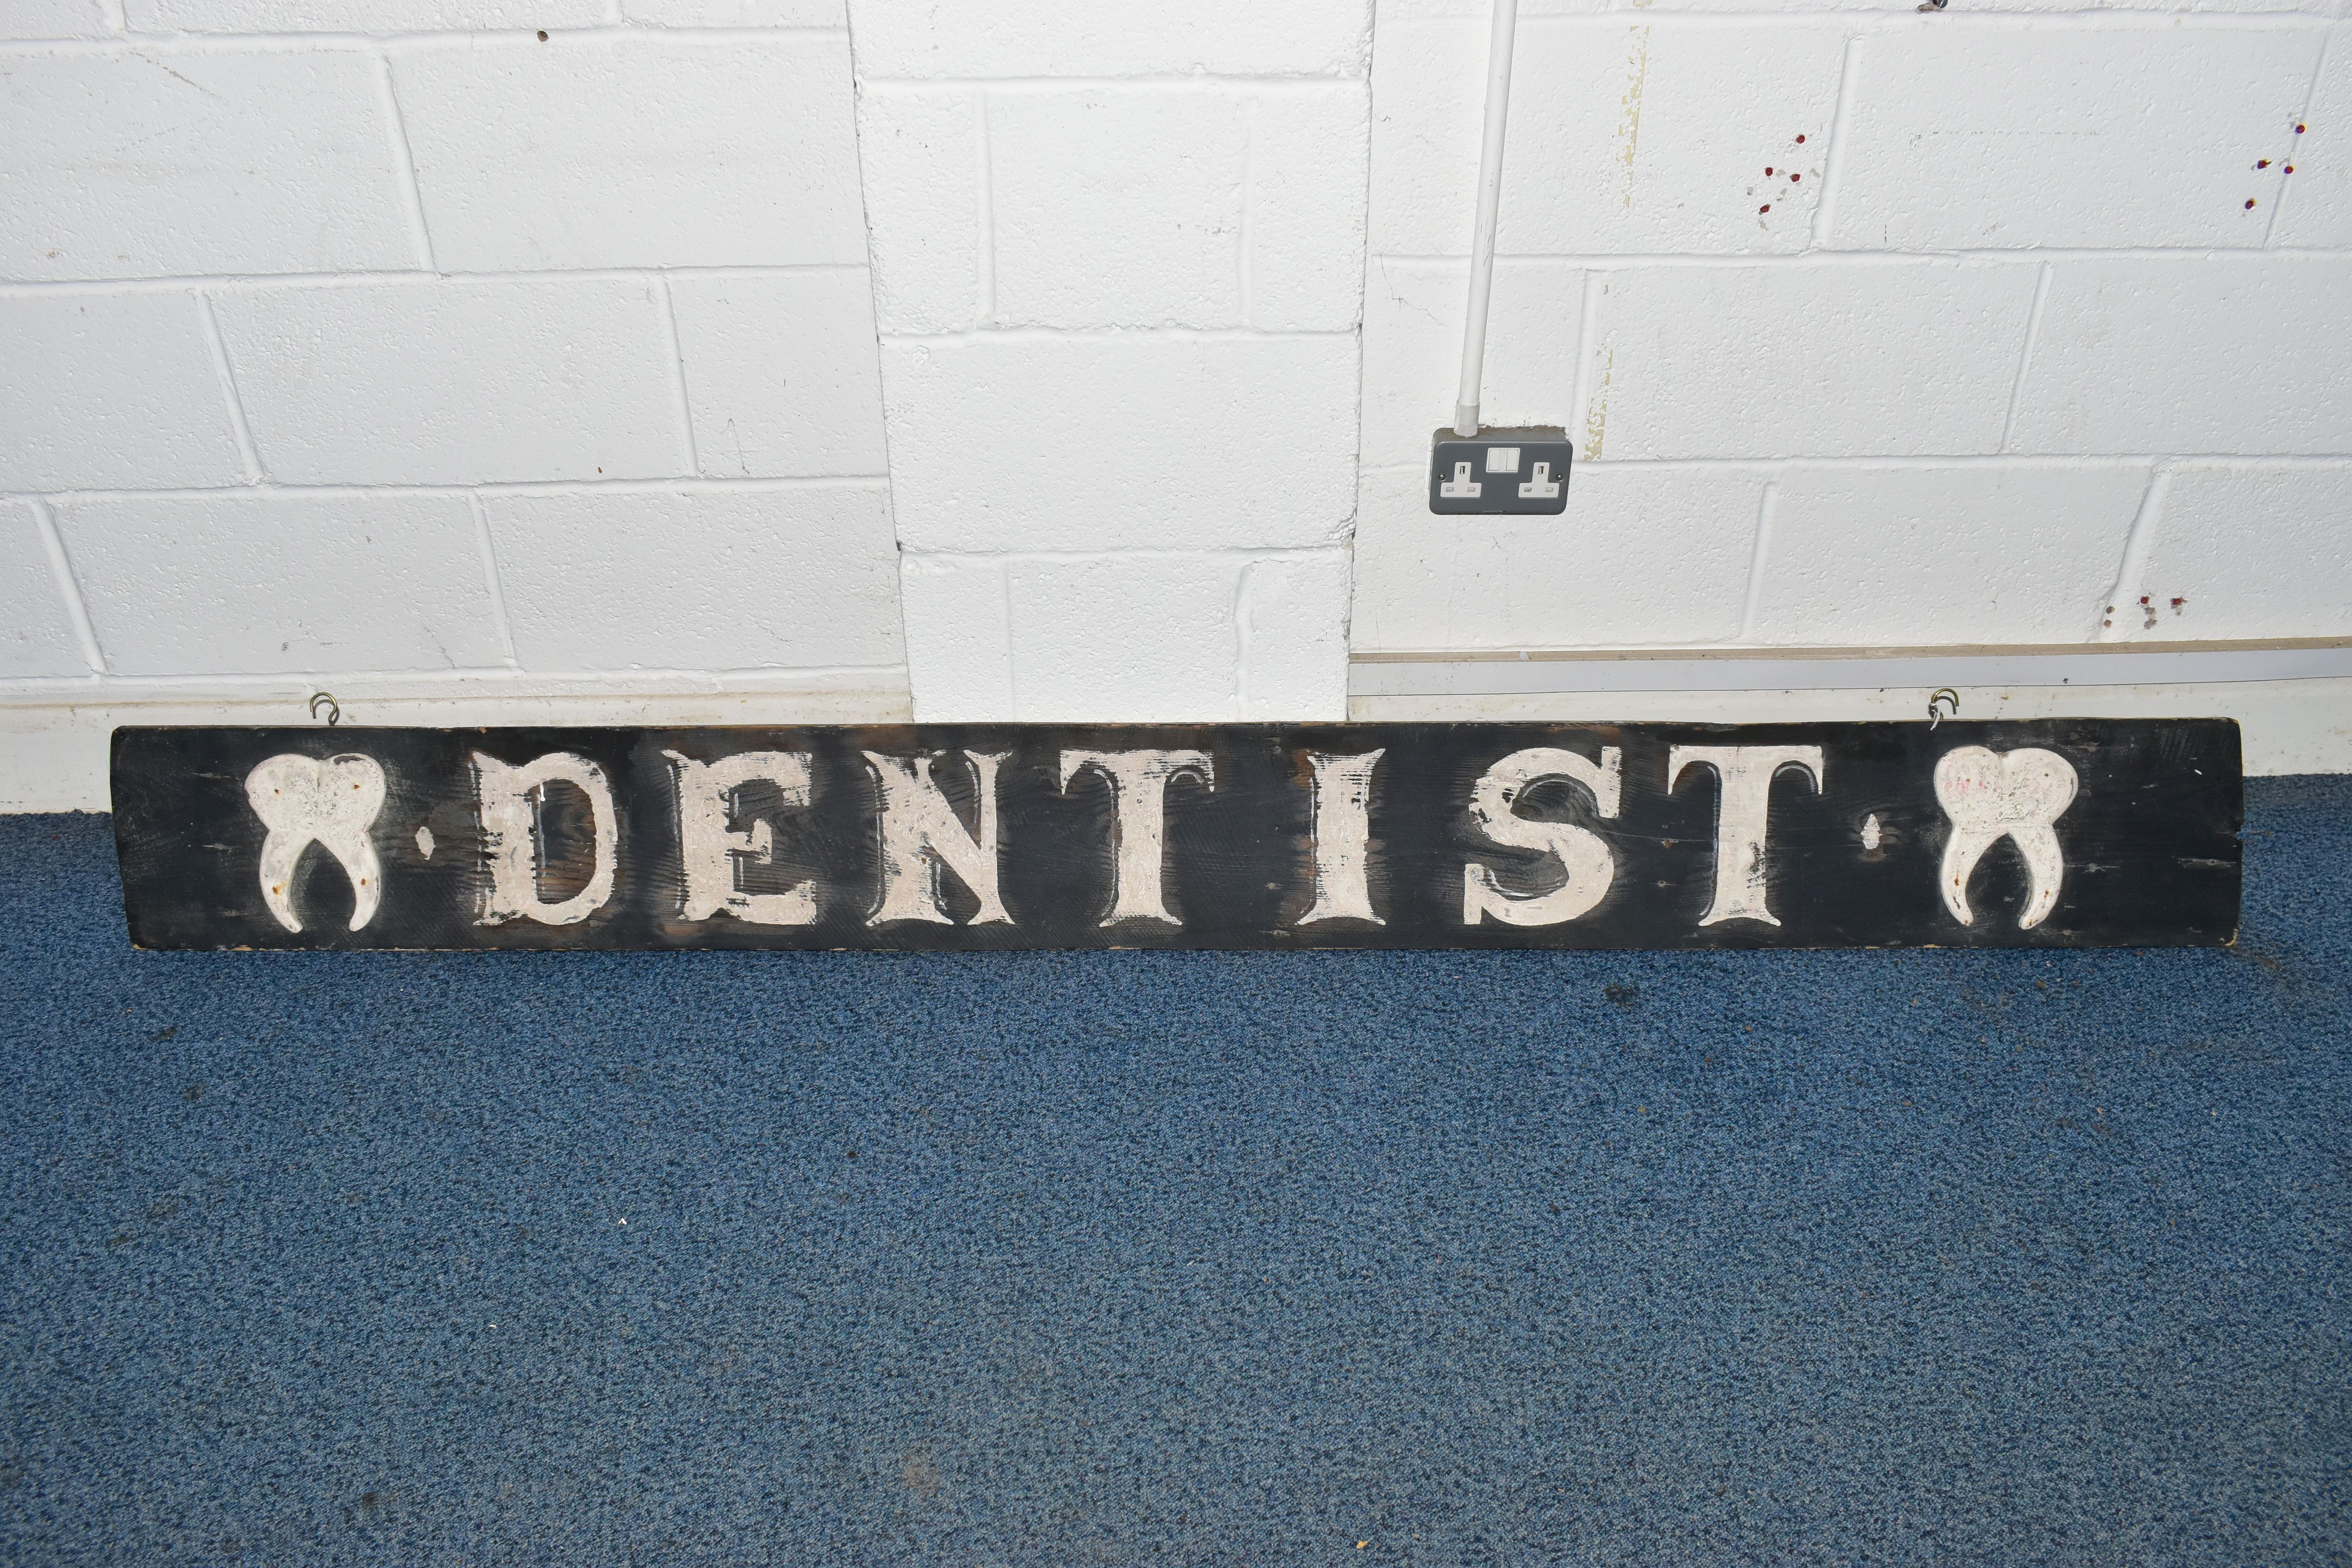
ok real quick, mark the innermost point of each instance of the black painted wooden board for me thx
(2149, 838)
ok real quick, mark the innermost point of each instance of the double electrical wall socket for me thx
(1521, 470)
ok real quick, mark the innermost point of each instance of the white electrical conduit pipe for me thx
(1490, 206)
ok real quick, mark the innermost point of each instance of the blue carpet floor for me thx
(1280, 1259)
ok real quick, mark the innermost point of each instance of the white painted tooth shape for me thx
(1992, 795)
(333, 804)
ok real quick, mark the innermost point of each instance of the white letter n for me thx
(920, 834)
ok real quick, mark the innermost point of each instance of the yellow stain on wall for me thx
(1628, 123)
(1596, 412)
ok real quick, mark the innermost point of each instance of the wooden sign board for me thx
(2069, 833)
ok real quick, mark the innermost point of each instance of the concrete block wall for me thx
(454, 350)
(697, 360)
(1118, 263)
(1875, 328)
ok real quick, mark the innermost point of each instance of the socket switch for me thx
(1520, 469)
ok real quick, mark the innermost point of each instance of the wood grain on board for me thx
(2060, 833)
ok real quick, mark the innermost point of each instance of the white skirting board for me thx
(2293, 700)
(2291, 726)
(53, 754)
(2295, 704)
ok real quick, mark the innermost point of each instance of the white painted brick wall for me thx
(385, 339)
(1290, 613)
(1134, 636)
(2126, 133)
(782, 372)
(1496, 583)
(181, 161)
(2315, 200)
(111, 390)
(924, 154)
(2202, 354)
(937, 39)
(1413, 351)
(437, 346)
(782, 577)
(1118, 262)
(1959, 350)
(635, 153)
(1114, 629)
(1625, 136)
(458, 381)
(1078, 241)
(1159, 441)
(736, 13)
(1252, 218)
(1303, 209)
(266, 17)
(2242, 549)
(52, 19)
(254, 584)
(1010, 206)
(1828, 359)
(1412, 10)
(959, 616)
(1936, 555)
(37, 627)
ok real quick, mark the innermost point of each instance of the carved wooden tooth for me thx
(1992, 795)
(333, 804)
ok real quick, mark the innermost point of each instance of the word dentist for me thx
(334, 803)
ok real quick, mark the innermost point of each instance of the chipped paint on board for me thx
(2073, 832)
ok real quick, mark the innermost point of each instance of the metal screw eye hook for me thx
(1936, 709)
(334, 709)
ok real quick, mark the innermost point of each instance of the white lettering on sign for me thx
(1743, 805)
(1580, 853)
(1524, 869)
(332, 803)
(711, 852)
(1992, 795)
(921, 835)
(1343, 831)
(1139, 792)
(511, 800)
